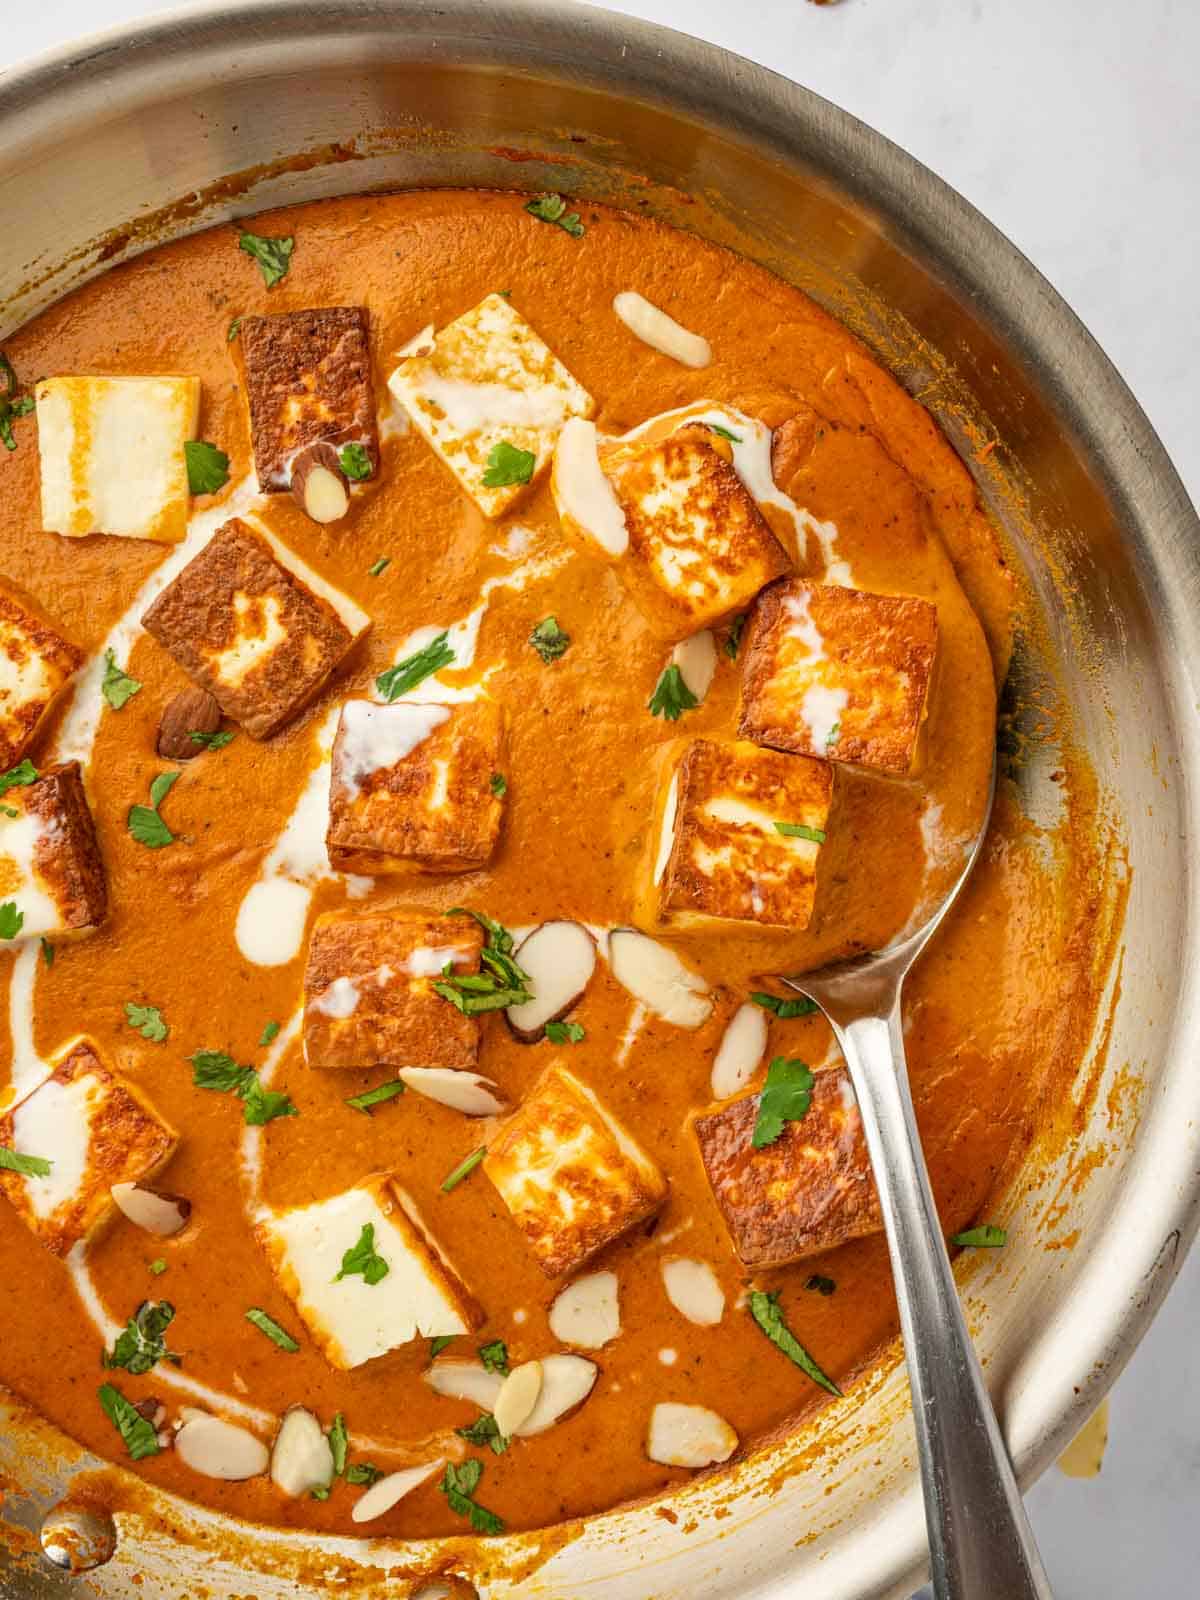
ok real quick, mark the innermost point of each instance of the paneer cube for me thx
(573, 1178)
(739, 832)
(699, 547)
(809, 1191)
(411, 787)
(112, 455)
(350, 1319)
(490, 388)
(96, 1129)
(369, 999)
(50, 866)
(308, 377)
(839, 674)
(255, 626)
(36, 664)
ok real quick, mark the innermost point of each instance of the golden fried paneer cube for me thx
(808, 1191)
(50, 866)
(839, 674)
(36, 664)
(112, 457)
(491, 399)
(411, 788)
(369, 999)
(95, 1129)
(357, 1314)
(252, 623)
(573, 1178)
(699, 547)
(738, 834)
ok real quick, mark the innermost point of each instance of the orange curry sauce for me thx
(986, 1042)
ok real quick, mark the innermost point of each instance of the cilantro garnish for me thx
(459, 1485)
(144, 822)
(498, 784)
(207, 467)
(12, 403)
(764, 1308)
(355, 462)
(495, 1357)
(783, 1009)
(212, 741)
(268, 1035)
(18, 777)
(274, 255)
(148, 1020)
(213, 1069)
(484, 1431)
(987, 1236)
(414, 669)
(377, 567)
(117, 686)
(785, 1098)
(362, 1259)
(140, 1438)
(141, 1345)
(376, 1096)
(506, 464)
(11, 920)
(549, 640)
(733, 640)
(158, 1266)
(436, 1346)
(502, 984)
(723, 433)
(47, 952)
(26, 1166)
(271, 1328)
(800, 830)
(671, 697)
(564, 1032)
(235, 327)
(464, 1169)
(553, 208)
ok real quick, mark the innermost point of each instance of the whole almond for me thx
(319, 485)
(191, 711)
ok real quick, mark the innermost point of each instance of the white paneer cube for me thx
(112, 455)
(490, 388)
(36, 664)
(50, 866)
(94, 1129)
(351, 1319)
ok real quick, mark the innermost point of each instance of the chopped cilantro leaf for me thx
(671, 697)
(18, 777)
(987, 1236)
(363, 1260)
(436, 1346)
(11, 920)
(213, 1069)
(833, 736)
(507, 465)
(495, 1357)
(800, 830)
(142, 1345)
(140, 1438)
(235, 327)
(268, 1035)
(364, 1472)
(553, 208)
(339, 1443)
(458, 1485)
(271, 1328)
(157, 1266)
(117, 686)
(564, 1032)
(733, 640)
(414, 669)
(498, 784)
(549, 640)
(785, 1098)
(802, 1006)
(212, 741)
(355, 462)
(464, 1169)
(260, 1106)
(207, 467)
(162, 785)
(376, 1096)
(274, 255)
(47, 952)
(148, 828)
(764, 1308)
(484, 1431)
(26, 1166)
(148, 1020)
(723, 433)
(378, 567)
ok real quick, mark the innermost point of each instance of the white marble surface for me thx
(1075, 126)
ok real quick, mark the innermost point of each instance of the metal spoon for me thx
(980, 1542)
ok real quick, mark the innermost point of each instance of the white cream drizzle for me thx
(28, 1068)
(654, 327)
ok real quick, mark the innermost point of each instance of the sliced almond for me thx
(163, 1214)
(587, 1312)
(389, 1491)
(218, 1449)
(560, 958)
(583, 496)
(742, 1047)
(566, 1383)
(688, 1436)
(319, 485)
(190, 711)
(518, 1396)
(693, 1289)
(696, 659)
(460, 1090)
(301, 1459)
(657, 977)
(465, 1380)
(661, 332)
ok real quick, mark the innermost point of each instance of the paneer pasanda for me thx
(406, 1058)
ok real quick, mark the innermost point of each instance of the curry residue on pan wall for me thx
(989, 1045)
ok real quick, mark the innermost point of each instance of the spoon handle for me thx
(981, 1545)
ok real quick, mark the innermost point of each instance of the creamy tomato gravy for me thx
(881, 493)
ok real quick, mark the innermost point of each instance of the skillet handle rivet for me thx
(77, 1538)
